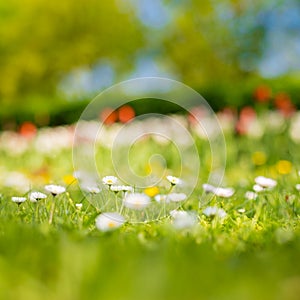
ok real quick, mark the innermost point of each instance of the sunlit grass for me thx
(52, 249)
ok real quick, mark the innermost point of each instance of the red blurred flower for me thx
(262, 93)
(284, 104)
(247, 116)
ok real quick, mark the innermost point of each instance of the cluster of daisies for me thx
(181, 219)
(139, 201)
(37, 196)
(133, 200)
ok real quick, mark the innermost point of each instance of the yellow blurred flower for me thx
(259, 158)
(284, 167)
(151, 191)
(69, 179)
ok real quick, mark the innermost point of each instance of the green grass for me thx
(250, 255)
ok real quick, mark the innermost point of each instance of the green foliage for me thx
(42, 41)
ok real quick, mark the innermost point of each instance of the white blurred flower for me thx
(174, 180)
(257, 188)
(121, 188)
(212, 211)
(251, 195)
(208, 188)
(162, 198)
(13, 143)
(294, 130)
(218, 191)
(36, 196)
(109, 180)
(183, 219)
(50, 140)
(241, 210)
(109, 221)
(255, 129)
(78, 206)
(265, 182)
(92, 189)
(177, 197)
(55, 189)
(136, 201)
(274, 121)
(18, 200)
(17, 181)
(297, 186)
(224, 192)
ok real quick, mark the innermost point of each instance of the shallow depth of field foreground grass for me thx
(51, 249)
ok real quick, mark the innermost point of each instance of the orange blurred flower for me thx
(126, 113)
(28, 130)
(108, 116)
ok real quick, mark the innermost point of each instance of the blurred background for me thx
(55, 56)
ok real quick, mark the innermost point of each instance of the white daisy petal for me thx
(121, 188)
(177, 197)
(250, 195)
(55, 189)
(36, 196)
(224, 192)
(212, 211)
(18, 200)
(109, 221)
(109, 180)
(174, 180)
(265, 182)
(257, 188)
(136, 201)
(183, 219)
(208, 188)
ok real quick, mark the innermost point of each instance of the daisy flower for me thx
(109, 180)
(92, 189)
(55, 189)
(208, 188)
(265, 182)
(121, 188)
(136, 201)
(36, 196)
(177, 197)
(109, 221)
(18, 200)
(212, 211)
(173, 180)
(224, 192)
(257, 188)
(183, 219)
(161, 198)
(249, 195)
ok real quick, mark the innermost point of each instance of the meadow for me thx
(241, 241)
